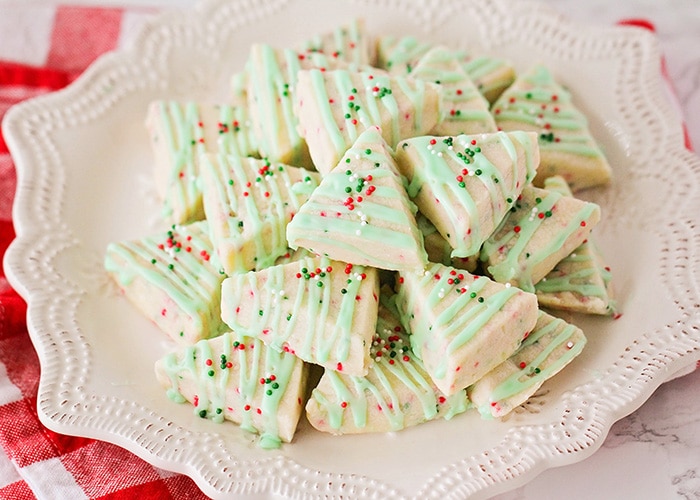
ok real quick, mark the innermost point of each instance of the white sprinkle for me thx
(508, 285)
(573, 255)
(569, 345)
(358, 232)
(440, 154)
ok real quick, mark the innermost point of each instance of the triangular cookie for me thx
(179, 133)
(466, 184)
(248, 203)
(536, 102)
(491, 75)
(335, 107)
(395, 394)
(238, 378)
(349, 42)
(581, 281)
(465, 110)
(271, 80)
(540, 230)
(462, 325)
(552, 345)
(323, 311)
(174, 278)
(399, 55)
(360, 212)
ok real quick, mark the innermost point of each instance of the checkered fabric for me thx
(43, 49)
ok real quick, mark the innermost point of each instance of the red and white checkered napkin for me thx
(43, 49)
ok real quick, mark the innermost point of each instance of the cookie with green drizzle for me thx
(491, 75)
(179, 132)
(248, 203)
(541, 229)
(538, 103)
(462, 325)
(395, 394)
(400, 55)
(239, 379)
(360, 213)
(551, 346)
(467, 183)
(350, 43)
(272, 79)
(465, 110)
(174, 278)
(581, 282)
(335, 107)
(323, 311)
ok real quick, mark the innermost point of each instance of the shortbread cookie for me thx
(552, 345)
(491, 75)
(248, 203)
(179, 133)
(581, 282)
(462, 325)
(464, 111)
(466, 184)
(439, 250)
(335, 107)
(540, 230)
(238, 378)
(272, 79)
(536, 102)
(360, 213)
(239, 89)
(173, 278)
(323, 311)
(350, 43)
(399, 55)
(396, 392)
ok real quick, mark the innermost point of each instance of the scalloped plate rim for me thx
(11, 128)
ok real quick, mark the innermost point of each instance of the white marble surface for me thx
(655, 452)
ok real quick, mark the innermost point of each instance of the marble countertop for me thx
(655, 451)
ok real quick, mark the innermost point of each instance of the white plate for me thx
(84, 174)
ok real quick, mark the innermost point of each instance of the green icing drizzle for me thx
(353, 207)
(272, 319)
(549, 338)
(180, 264)
(547, 105)
(250, 203)
(253, 390)
(444, 161)
(519, 257)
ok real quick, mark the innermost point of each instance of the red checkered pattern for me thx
(34, 461)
